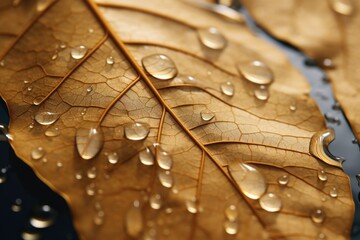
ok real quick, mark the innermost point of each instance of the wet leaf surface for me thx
(137, 113)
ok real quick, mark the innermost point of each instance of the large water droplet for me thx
(43, 217)
(344, 7)
(113, 158)
(191, 205)
(78, 52)
(134, 220)
(37, 153)
(270, 202)
(322, 176)
(89, 142)
(110, 60)
(136, 131)
(46, 118)
(212, 38)
(250, 181)
(165, 178)
(164, 159)
(231, 213)
(333, 192)
(256, 72)
(146, 157)
(155, 201)
(262, 93)
(318, 216)
(207, 115)
(231, 227)
(160, 66)
(283, 180)
(227, 88)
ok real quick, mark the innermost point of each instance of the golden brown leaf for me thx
(90, 120)
(331, 38)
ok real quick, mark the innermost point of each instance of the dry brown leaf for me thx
(72, 121)
(331, 37)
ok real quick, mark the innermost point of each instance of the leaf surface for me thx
(173, 146)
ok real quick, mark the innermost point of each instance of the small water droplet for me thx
(43, 217)
(91, 189)
(270, 202)
(26, 81)
(89, 89)
(2, 177)
(53, 132)
(78, 176)
(2, 63)
(37, 153)
(333, 192)
(318, 216)
(146, 157)
(207, 115)
(169, 210)
(328, 63)
(31, 125)
(30, 235)
(330, 118)
(160, 66)
(165, 178)
(250, 181)
(322, 176)
(110, 60)
(4, 133)
(46, 118)
(29, 89)
(231, 213)
(17, 205)
(59, 164)
(54, 56)
(336, 106)
(42, 5)
(90, 30)
(89, 142)
(155, 201)
(113, 158)
(62, 45)
(283, 180)
(91, 173)
(191, 205)
(321, 236)
(38, 100)
(99, 218)
(256, 72)
(134, 220)
(164, 159)
(231, 227)
(262, 93)
(292, 108)
(212, 38)
(78, 52)
(227, 88)
(136, 131)
(343, 7)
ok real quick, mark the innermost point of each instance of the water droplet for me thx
(99, 218)
(29, 89)
(155, 201)
(91, 173)
(136, 131)
(90, 30)
(89, 89)
(207, 115)
(78, 176)
(78, 52)
(355, 141)
(134, 220)
(59, 164)
(169, 210)
(89, 142)
(165, 178)
(113, 158)
(322, 176)
(256, 72)
(146, 157)
(2, 177)
(31, 125)
(54, 56)
(321, 236)
(38, 100)
(29, 235)
(37, 153)
(2, 63)
(90, 189)
(164, 159)
(191, 205)
(46, 118)
(344, 7)
(262, 93)
(42, 5)
(212, 38)
(328, 63)
(270, 202)
(17, 205)
(336, 106)
(43, 217)
(231, 213)
(4, 133)
(231, 227)
(292, 108)
(110, 60)
(330, 118)
(26, 81)
(318, 216)
(54, 132)
(62, 45)
(333, 192)
(227, 88)
(160, 66)
(283, 180)
(250, 181)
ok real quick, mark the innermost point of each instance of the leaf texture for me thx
(332, 35)
(137, 156)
